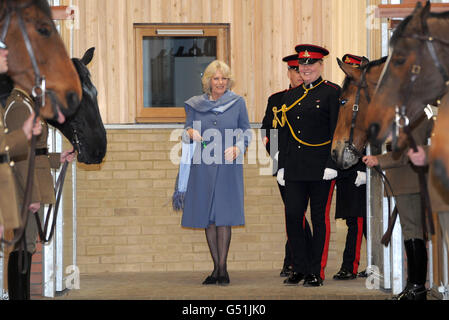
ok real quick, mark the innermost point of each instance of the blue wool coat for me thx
(215, 187)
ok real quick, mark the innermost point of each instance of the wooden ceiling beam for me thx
(62, 13)
(404, 10)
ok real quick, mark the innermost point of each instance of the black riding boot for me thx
(18, 283)
(416, 271)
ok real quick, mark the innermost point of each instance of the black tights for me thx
(219, 239)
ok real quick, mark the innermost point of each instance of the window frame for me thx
(172, 114)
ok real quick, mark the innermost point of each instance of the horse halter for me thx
(349, 145)
(401, 119)
(39, 89)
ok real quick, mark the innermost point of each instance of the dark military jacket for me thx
(351, 200)
(309, 121)
(275, 100)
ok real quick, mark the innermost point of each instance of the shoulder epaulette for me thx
(276, 93)
(333, 85)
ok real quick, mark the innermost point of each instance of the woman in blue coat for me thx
(217, 124)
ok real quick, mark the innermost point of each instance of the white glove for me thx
(361, 178)
(280, 177)
(329, 174)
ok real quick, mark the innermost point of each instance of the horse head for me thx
(410, 79)
(36, 51)
(85, 129)
(358, 86)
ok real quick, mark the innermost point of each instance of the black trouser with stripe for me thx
(298, 194)
(288, 259)
(351, 254)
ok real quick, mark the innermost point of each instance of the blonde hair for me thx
(210, 71)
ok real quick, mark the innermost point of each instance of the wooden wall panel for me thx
(262, 32)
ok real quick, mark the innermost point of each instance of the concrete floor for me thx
(259, 285)
(245, 285)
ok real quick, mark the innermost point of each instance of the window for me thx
(171, 59)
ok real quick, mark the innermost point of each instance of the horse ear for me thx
(88, 56)
(350, 71)
(425, 11)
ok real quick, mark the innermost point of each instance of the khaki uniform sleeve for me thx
(392, 160)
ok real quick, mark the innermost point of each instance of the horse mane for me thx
(368, 67)
(42, 5)
(400, 29)
(397, 34)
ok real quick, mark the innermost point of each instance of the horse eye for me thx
(44, 31)
(399, 61)
(343, 102)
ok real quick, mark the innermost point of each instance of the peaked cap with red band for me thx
(352, 59)
(292, 60)
(309, 53)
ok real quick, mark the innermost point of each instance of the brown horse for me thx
(36, 51)
(359, 82)
(415, 74)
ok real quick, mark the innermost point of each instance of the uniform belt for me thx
(4, 158)
(42, 152)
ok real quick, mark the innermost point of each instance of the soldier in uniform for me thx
(308, 117)
(18, 107)
(275, 100)
(438, 193)
(12, 143)
(351, 205)
(405, 186)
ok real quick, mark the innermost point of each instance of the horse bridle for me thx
(39, 90)
(401, 119)
(349, 145)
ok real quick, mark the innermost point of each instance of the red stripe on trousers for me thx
(358, 244)
(304, 221)
(328, 230)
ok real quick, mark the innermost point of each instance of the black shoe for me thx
(412, 292)
(293, 279)
(344, 274)
(286, 270)
(223, 280)
(313, 280)
(415, 289)
(210, 280)
(362, 274)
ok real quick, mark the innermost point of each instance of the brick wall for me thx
(126, 224)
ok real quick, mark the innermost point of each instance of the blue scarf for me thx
(199, 104)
